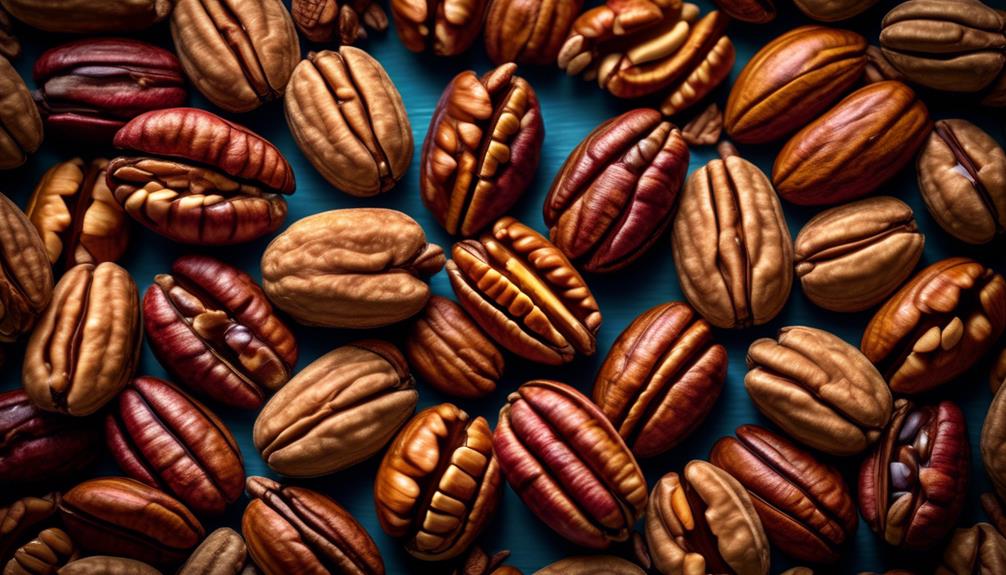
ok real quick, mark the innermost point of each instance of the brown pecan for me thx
(10, 47)
(705, 128)
(661, 378)
(591, 565)
(976, 549)
(323, 21)
(25, 273)
(878, 68)
(937, 325)
(447, 28)
(20, 123)
(89, 16)
(223, 552)
(998, 373)
(993, 446)
(21, 519)
(528, 31)
(46, 553)
(525, 294)
(754, 11)
(478, 562)
(994, 509)
(481, 150)
(913, 485)
(833, 10)
(107, 565)
(613, 196)
(995, 94)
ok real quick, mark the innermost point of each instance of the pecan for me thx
(25, 273)
(528, 31)
(705, 128)
(591, 565)
(976, 549)
(48, 552)
(20, 123)
(89, 16)
(445, 27)
(833, 10)
(322, 21)
(223, 552)
(108, 565)
(478, 562)
(21, 519)
(10, 47)
(754, 11)
(993, 450)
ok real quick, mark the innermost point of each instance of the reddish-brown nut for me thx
(196, 178)
(481, 150)
(977, 549)
(661, 378)
(569, 465)
(45, 554)
(22, 518)
(25, 273)
(10, 47)
(937, 325)
(88, 16)
(528, 31)
(613, 197)
(754, 11)
(323, 21)
(704, 128)
(445, 27)
(478, 562)
(212, 327)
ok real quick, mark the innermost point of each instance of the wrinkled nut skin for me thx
(753, 11)
(20, 122)
(223, 552)
(937, 325)
(107, 565)
(478, 562)
(591, 565)
(731, 245)
(322, 21)
(439, 483)
(44, 554)
(213, 328)
(10, 47)
(84, 349)
(953, 45)
(705, 128)
(851, 257)
(914, 483)
(993, 441)
(878, 68)
(351, 268)
(976, 549)
(238, 53)
(833, 10)
(89, 89)
(804, 505)
(704, 522)
(22, 519)
(88, 16)
(481, 149)
(854, 148)
(446, 28)
(448, 350)
(339, 410)
(819, 389)
(348, 118)
(196, 178)
(25, 273)
(613, 197)
(791, 80)
(528, 31)
(661, 378)
(569, 465)
(525, 294)
(37, 446)
(296, 530)
(962, 177)
(125, 517)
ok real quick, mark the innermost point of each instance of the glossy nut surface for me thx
(731, 245)
(21, 519)
(349, 120)
(238, 71)
(84, 349)
(976, 549)
(481, 149)
(355, 268)
(446, 28)
(223, 552)
(613, 196)
(439, 483)
(818, 389)
(833, 10)
(591, 565)
(525, 294)
(704, 522)
(962, 177)
(661, 378)
(804, 505)
(448, 350)
(107, 565)
(88, 89)
(937, 325)
(339, 410)
(296, 530)
(851, 257)
(125, 517)
(754, 11)
(528, 31)
(44, 554)
(25, 273)
(854, 148)
(88, 16)
(569, 465)
(21, 129)
(913, 485)
(323, 21)
(791, 80)
(212, 327)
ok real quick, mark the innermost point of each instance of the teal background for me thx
(571, 107)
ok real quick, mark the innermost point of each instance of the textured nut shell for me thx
(976, 549)
(44, 554)
(322, 21)
(833, 10)
(107, 565)
(20, 124)
(447, 28)
(993, 442)
(25, 273)
(22, 517)
(591, 565)
(223, 552)
(754, 11)
(87, 16)
(528, 31)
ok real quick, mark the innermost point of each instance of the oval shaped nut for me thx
(661, 378)
(569, 465)
(223, 552)
(731, 245)
(212, 327)
(439, 483)
(804, 505)
(84, 349)
(25, 273)
(355, 268)
(591, 565)
(962, 177)
(833, 10)
(937, 325)
(754, 11)
(349, 120)
(10, 47)
(22, 518)
(704, 522)
(819, 389)
(993, 442)
(525, 294)
(123, 516)
(446, 28)
(853, 148)
(851, 257)
(481, 150)
(88, 16)
(450, 352)
(791, 80)
(296, 530)
(477, 562)
(238, 53)
(976, 549)
(107, 565)
(614, 195)
(47, 553)
(528, 31)
(339, 410)
(953, 45)
(323, 21)
(20, 123)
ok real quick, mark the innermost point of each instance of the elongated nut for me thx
(25, 273)
(223, 552)
(88, 16)
(976, 549)
(107, 565)
(20, 123)
(754, 11)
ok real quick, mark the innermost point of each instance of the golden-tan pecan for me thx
(108, 565)
(223, 552)
(323, 21)
(976, 549)
(25, 273)
(833, 10)
(47, 553)
(89, 16)
(993, 443)
(444, 27)
(20, 123)
(528, 31)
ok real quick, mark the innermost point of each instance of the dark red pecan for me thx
(88, 89)
(325, 20)
(212, 327)
(754, 11)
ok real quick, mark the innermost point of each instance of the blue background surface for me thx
(571, 108)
